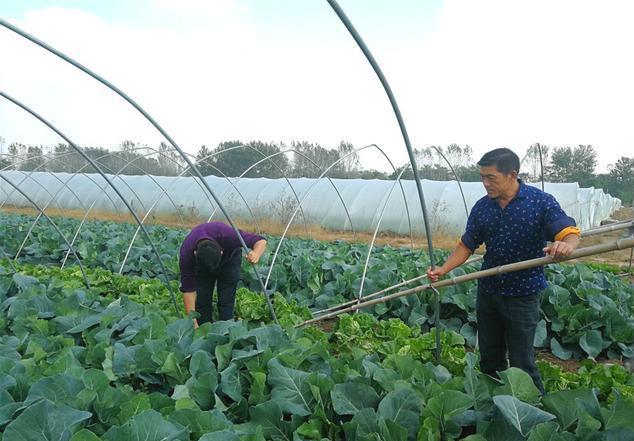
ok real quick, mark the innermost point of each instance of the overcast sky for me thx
(487, 73)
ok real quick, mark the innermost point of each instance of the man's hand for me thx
(436, 273)
(559, 250)
(253, 257)
(195, 324)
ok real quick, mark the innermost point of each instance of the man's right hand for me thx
(435, 274)
(195, 324)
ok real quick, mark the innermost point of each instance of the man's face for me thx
(497, 183)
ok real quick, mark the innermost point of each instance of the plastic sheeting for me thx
(323, 202)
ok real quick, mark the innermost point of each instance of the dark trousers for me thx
(225, 278)
(507, 325)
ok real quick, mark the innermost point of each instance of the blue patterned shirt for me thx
(513, 234)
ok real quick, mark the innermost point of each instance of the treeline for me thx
(310, 160)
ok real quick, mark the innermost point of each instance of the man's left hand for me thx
(253, 257)
(559, 250)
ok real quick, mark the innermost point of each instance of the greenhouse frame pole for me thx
(620, 244)
(103, 175)
(419, 188)
(32, 202)
(159, 128)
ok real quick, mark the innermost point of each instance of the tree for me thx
(203, 162)
(233, 158)
(169, 161)
(34, 159)
(310, 160)
(573, 165)
(350, 159)
(622, 175)
(531, 168)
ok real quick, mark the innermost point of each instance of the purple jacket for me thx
(221, 233)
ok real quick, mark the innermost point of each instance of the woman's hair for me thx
(207, 255)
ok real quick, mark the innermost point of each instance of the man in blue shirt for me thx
(514, 221)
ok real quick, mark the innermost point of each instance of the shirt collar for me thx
(522, 192)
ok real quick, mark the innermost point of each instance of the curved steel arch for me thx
(397, 113)
(28, 174)
(464, 200)
(376, 231)
(229, 181)
(54, 197)
(401, 123)
(541, 161)
(320, 168)
(149, 240)
(102, 188)
(81, 267)
(304, 196)
(114, 205)
(86, 214)
(159, 128)
(202, 160)
(41, 210)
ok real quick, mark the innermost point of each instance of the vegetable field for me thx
(116, 362)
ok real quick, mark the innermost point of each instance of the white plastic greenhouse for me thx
(341, 204)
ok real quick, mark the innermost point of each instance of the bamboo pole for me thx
(591, 232)
(390, 288)
(608, 228)
(620, 244)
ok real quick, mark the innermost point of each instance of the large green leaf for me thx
(289, 389)
(350, 398)
(202, 388)
(223, 435)
(519, 384)
(230, 382)
(620, 415)
(592, 343)
(559, 350)
(45, 421)
(564, 405)
(181, 335)
(198, 422)
(404, 407)
(147, 426)
(268, 417)
(520, 415)
(547, 432)
(85, 435)
(61, 389)
(447, 404)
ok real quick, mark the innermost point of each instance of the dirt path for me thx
(448, 242)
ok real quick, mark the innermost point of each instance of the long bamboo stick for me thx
(591, 232)
(390, 288)
(620, 244)
(608, 228)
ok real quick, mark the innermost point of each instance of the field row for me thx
(109, 363)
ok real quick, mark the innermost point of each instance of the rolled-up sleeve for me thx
(557, 224)
(250, 238)
(472, 237)
(188, 272)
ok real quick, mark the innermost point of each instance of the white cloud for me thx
(492, 73)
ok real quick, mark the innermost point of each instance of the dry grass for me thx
(441, 241)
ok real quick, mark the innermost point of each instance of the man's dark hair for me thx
(207, 255)
(505, 160)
